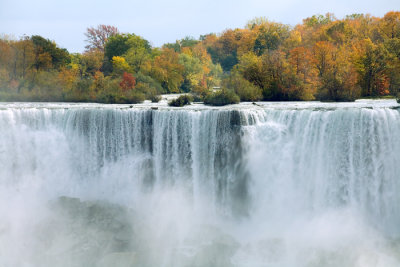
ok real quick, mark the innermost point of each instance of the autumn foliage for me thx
(323, 58)
(128, 82)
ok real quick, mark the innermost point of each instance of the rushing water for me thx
(274, 184)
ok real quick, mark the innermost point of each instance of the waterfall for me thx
(300, 184)
(313, 160)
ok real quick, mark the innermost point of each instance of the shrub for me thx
(197, 98)
(222, 98)
(150, 93)
(108, 98)
(151, 83)
(243, 88)
(115, 97)
(199, 93)
(155, 98)
(181, 101)
(133, 97)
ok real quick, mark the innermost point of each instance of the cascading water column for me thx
(176, 170)
(324, 185)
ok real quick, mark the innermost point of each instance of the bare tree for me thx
(97, 37)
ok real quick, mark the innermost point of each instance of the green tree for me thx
(138, 53)
(188, 41)
(116, 46)
(192, 71)
(46, 50)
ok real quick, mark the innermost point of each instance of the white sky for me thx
(65, 21)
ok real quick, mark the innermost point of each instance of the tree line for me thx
(323, 58)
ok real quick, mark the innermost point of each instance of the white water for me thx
(280, 184)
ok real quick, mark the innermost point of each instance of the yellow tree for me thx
(168, 71)
(68, 78)
(324, 54)
(370, 61)
(390, 25)
(120, 66)
(251, 68)
(300, 60)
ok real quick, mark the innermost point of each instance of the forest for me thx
(323, 58)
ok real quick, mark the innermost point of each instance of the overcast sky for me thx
(163, 21)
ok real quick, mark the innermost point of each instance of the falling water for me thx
(274, 184)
